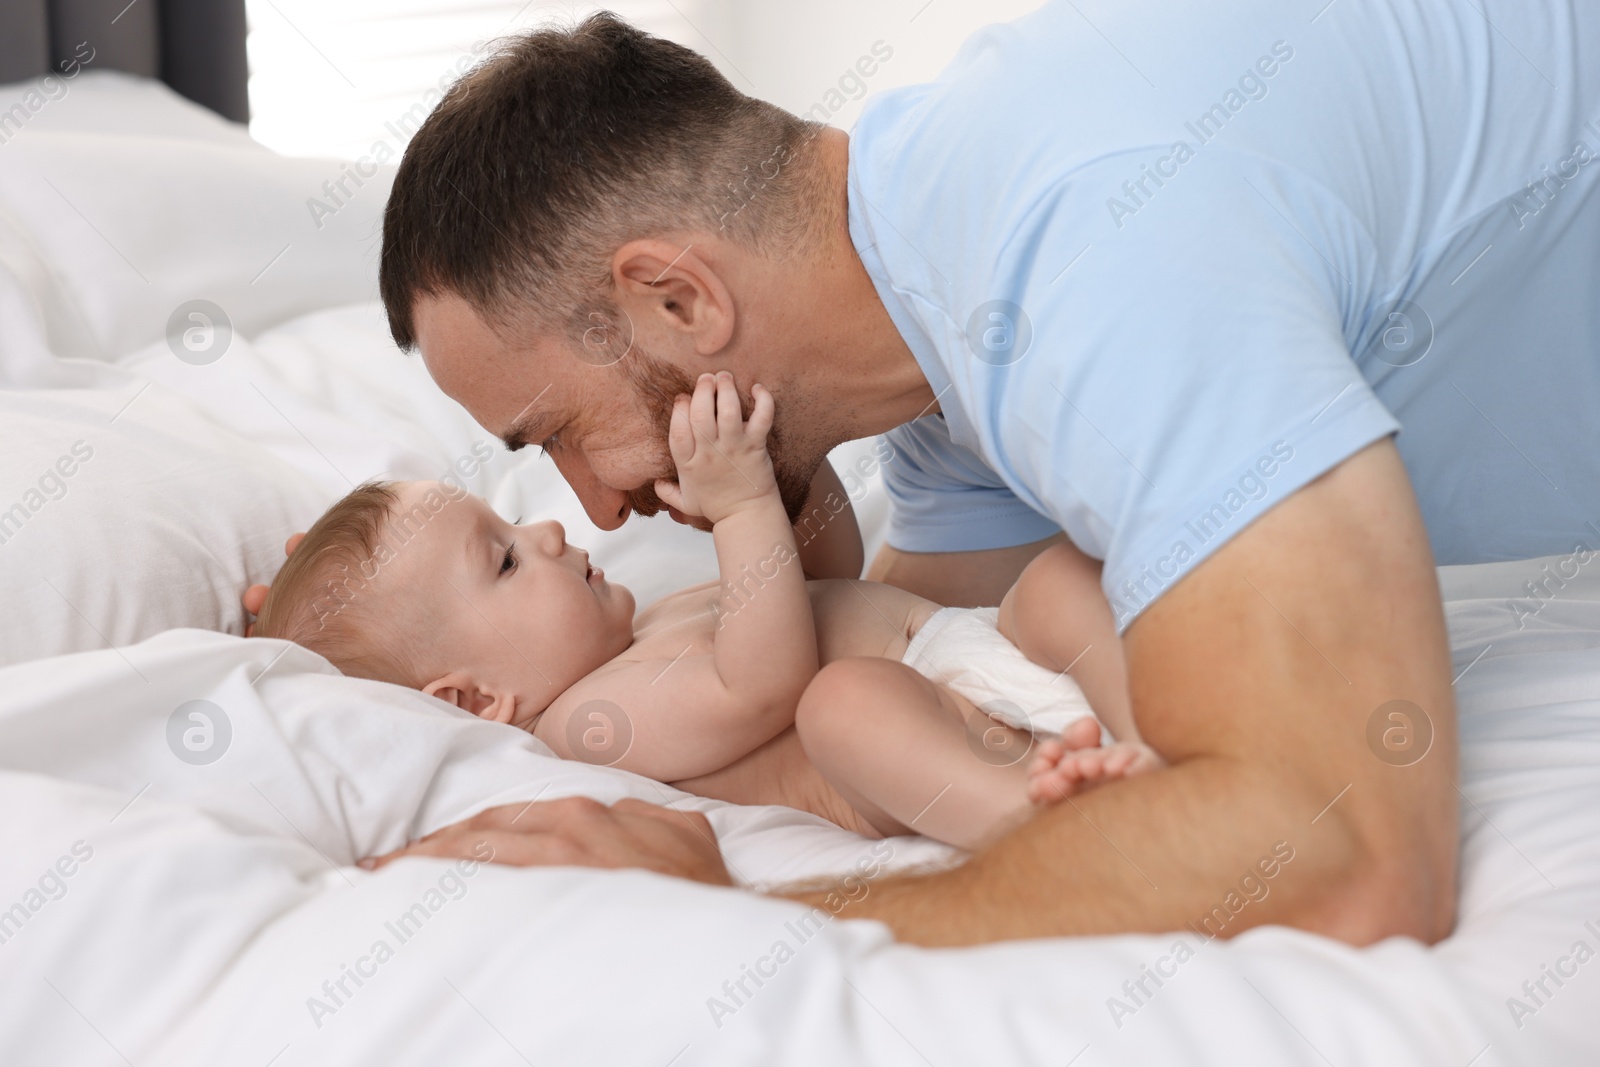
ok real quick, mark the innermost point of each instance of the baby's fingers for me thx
(703, 408)
(761, 417)
(671, 494)
(680, 437)
(730, 413)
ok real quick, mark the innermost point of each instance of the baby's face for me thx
(512, 606)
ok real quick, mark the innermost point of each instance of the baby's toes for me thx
(1043, 768)
(1091, 763)
(1051, 750)
(1037, 793)
(1080, 734)
(1120, 761)
(1051, 788)
(1145, 759)
(1051, 781)
(1044, 759)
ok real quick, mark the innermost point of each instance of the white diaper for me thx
(964, 649)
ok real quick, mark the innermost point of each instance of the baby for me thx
(771, 691)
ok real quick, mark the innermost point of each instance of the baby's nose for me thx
(557, 536)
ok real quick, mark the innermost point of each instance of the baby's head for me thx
(422, 584)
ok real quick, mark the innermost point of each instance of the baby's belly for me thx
(859, 618)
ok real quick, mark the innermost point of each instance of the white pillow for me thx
(112, 101)
(131, 229)
(126, 512)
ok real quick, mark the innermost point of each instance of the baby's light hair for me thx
(321, 599)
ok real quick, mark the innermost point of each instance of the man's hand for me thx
(722, 459)
(580, 832)
(255, 598)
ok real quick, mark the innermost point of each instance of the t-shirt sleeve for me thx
(1188, 373)
(944, 498)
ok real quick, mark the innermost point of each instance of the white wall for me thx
(794, 54)
(339, 77)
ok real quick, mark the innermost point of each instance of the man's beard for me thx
(657, 384)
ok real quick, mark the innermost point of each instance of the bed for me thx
(184, 807)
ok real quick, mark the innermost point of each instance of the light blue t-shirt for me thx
(1164, 263)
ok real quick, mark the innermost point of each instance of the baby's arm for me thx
(700, 713)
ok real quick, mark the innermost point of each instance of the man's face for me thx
(602, 420)
(608, 440)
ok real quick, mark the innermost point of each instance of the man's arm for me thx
(827, 532)
(957, 579)
(1258, 677)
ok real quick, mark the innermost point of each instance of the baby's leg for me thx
(912, 756)
(1058, 616)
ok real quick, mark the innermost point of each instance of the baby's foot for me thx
(1061, 770)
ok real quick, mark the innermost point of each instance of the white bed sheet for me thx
(219, 898)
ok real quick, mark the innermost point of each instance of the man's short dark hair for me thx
(564, 144)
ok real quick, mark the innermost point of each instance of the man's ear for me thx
(665, 283)
(462, 690)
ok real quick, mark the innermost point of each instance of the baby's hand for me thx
(722, 460)
(1067, 766)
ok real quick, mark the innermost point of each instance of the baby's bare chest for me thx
(683, 624)
(853, 618)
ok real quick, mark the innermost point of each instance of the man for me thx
(1153, 292)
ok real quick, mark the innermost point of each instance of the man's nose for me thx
(606, 507)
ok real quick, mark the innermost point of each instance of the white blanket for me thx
(218, 899)
(159, 908)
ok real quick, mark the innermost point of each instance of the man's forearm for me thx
(1207, 845)
(1298, 682)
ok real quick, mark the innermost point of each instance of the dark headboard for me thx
(195, 46)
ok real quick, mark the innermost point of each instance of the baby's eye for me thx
(509, 563)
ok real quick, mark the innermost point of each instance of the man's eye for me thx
(509, 563)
